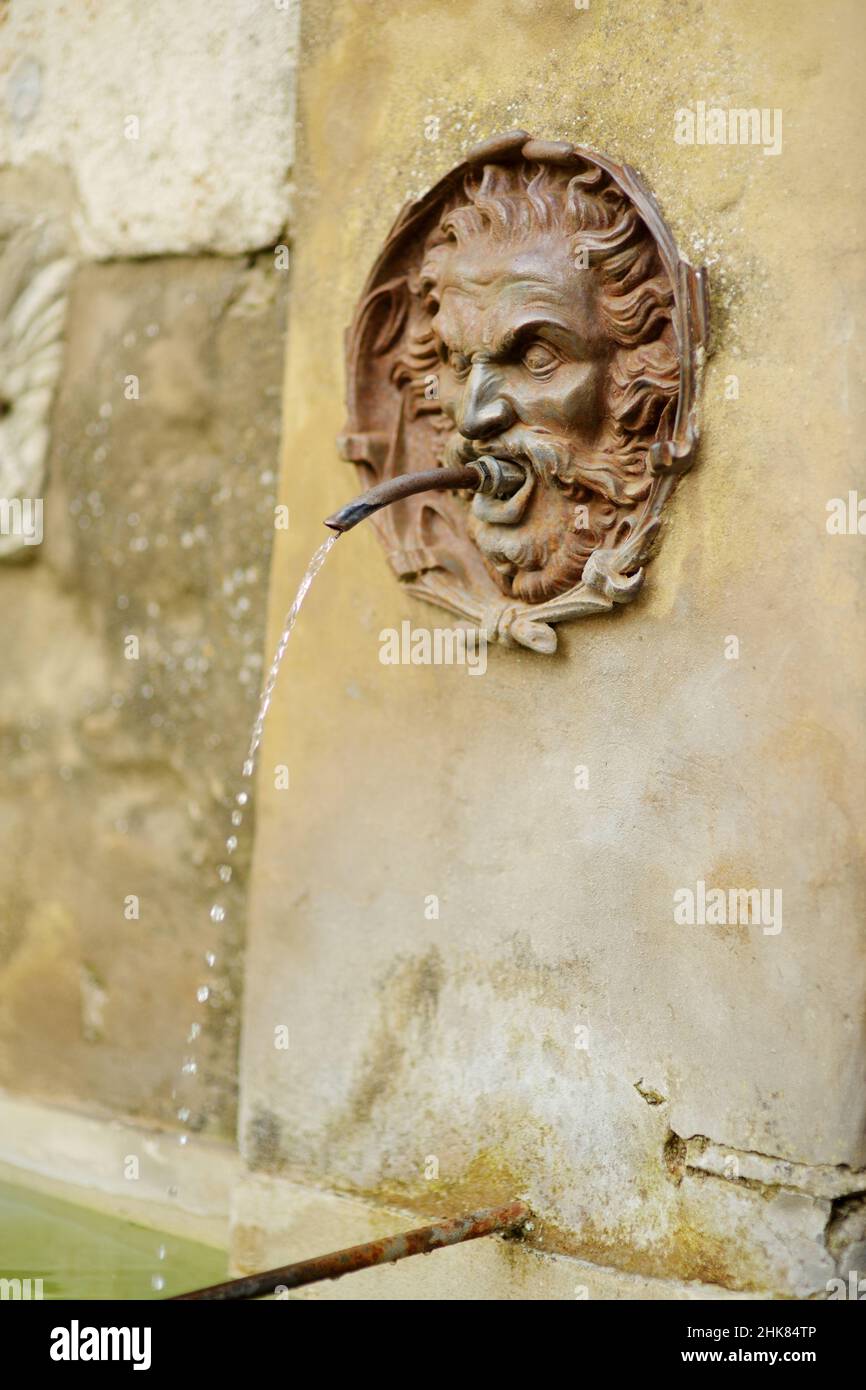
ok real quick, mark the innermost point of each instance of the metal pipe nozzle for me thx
(500, 477)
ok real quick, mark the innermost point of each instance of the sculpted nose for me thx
(483, 411)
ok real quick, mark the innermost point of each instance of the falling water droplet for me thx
(160, 1254)
(242, 799)
(157, 1282)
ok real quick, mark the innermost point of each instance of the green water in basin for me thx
(78, 1253)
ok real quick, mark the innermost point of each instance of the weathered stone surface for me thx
(828, 1183)
(175, 122)
(117, 769)
(275, 1222)
(434, 1059)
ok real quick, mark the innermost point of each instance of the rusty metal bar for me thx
(496, 1220)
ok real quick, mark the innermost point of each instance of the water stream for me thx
(240, 806)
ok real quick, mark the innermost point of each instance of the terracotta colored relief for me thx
(532, 308)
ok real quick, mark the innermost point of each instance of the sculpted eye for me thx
(458, 363)
(539, 359)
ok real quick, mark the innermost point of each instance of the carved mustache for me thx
(556, 462)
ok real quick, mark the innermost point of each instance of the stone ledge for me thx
(81, 1159)
(275, 1222)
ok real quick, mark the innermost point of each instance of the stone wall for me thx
(675, 1102)
(472, 956)
(145, 180)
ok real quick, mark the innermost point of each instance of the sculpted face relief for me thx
(534, 317)
(523, 376)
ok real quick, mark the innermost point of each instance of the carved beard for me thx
(541, 555)
(533, 569)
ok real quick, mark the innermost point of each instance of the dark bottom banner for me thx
(59, 1340)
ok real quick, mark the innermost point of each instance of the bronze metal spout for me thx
(500, 477)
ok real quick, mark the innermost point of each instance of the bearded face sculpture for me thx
(533, 308)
